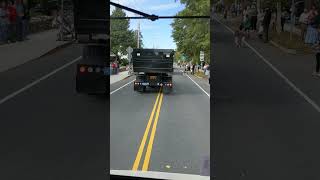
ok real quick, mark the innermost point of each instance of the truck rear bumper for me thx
(91, 83)
(162, 84)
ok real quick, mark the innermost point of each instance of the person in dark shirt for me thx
(317, 51)
(266, 23)
(12, 13)
(20, 15)
(25, 22)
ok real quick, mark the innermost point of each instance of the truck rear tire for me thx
(139, 88)
(167, 90)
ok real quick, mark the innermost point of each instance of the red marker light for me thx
(82, 69)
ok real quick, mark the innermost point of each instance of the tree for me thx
(121, 36)
(193, 35)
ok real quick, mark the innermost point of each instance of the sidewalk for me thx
(286, 27)
(15, 54)
(118, 77)
(297, 68)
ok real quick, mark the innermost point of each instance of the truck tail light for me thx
(82, 69)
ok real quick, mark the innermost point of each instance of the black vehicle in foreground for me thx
(153, 68)
(91, 30)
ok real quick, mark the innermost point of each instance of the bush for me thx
(124, 62)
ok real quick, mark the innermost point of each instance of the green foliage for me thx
(121, 36)
(177, 56)
(193, 35)
(124, 62)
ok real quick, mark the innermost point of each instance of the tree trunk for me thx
(278, 18)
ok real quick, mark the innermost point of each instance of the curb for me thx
(286, 50)
(57, 49)
(41, 56)
(121, 80)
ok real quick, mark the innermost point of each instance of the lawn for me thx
(200, 74)
(296, 43)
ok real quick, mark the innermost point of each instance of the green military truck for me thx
(153, 68)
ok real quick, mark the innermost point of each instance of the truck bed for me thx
(91, 17)
(152, 60)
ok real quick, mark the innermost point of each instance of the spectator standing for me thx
(303, 22)
(238, 10)
(12, 14)
(25, 22)
(20, 17)
(193, 68)
(317, 69)
(239, 37)
(254, 18)
(225, 14)
(245, 12)
(266, 24)
(117, 67)
(260, 24)
(247, 25)
(3, 23)
(312, 33)
(283, 19)
(273, 21)
(113, 68)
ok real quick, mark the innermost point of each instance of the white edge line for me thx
(122, 87)
(308, 99)
(198, 85)
(12, 95)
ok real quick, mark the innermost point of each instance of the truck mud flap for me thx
(139, 88)
(167, 90)
(90, 86)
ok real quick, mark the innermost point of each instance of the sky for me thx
(156, 34)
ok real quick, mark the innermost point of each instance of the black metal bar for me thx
(165, 17)
(148, 16)
(130, 9)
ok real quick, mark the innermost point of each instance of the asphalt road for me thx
(181, 140)
(262, 127)
(48, 131)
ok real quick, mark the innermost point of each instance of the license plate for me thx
(153, 77)
(145, 84)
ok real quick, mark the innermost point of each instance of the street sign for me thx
(129, 50)
(201, 56)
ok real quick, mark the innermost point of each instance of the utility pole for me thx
(138, 35)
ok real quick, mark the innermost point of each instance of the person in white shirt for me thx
(303, 22)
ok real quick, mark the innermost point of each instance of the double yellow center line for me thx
(155, 111)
